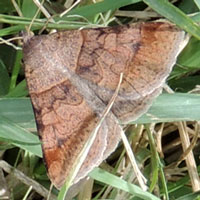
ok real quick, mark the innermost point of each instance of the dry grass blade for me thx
(189, 158)
(44, 11)
(141, 179)
(137, 14)
(72, 6)
(4, 191)
(191, 147)
(25, 179)
(190, 161)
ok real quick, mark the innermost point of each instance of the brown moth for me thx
(72, 75)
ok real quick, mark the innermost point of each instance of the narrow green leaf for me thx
(166, 108)
(6, 6)
(103, 6)
(173, 107)
(189, 57)
(187, 7)
(185, 84)
(11, 30)
(188, 61)
(66, 23)
(197, 3)
(18, 111)
(4, 79)
(191, 196)
(19, 91)
(114, 181)
(16, 70)
(19, 137)
(29, 8)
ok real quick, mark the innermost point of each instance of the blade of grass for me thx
(85, 11)
(103, 6)
(4, 79)
(184, 84)
(189, 57)
(11, 30)
(40, 23)
(166, 108)
(10, 131)
(188, 61)
(6, 6)
(197, 2)
(29, 8)
(156, 165)
(173, 107)
(18, 111)
(154, 159)
(191, 196)
(16, 69)
(114, 181)
(19, 91)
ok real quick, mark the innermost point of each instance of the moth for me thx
(72, 75)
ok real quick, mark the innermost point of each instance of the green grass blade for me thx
(166, 108)
(117, 182)
(19, 91)
(188, 61)
(6, 6)
(11, 30)
(184, 84)
(29, 8)
(103, 6)
(197, 2)
(4, 79)
(191, 196)
(13, 133)
(87, 11)
(18, 111)
(16, 70)
(173, 107)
